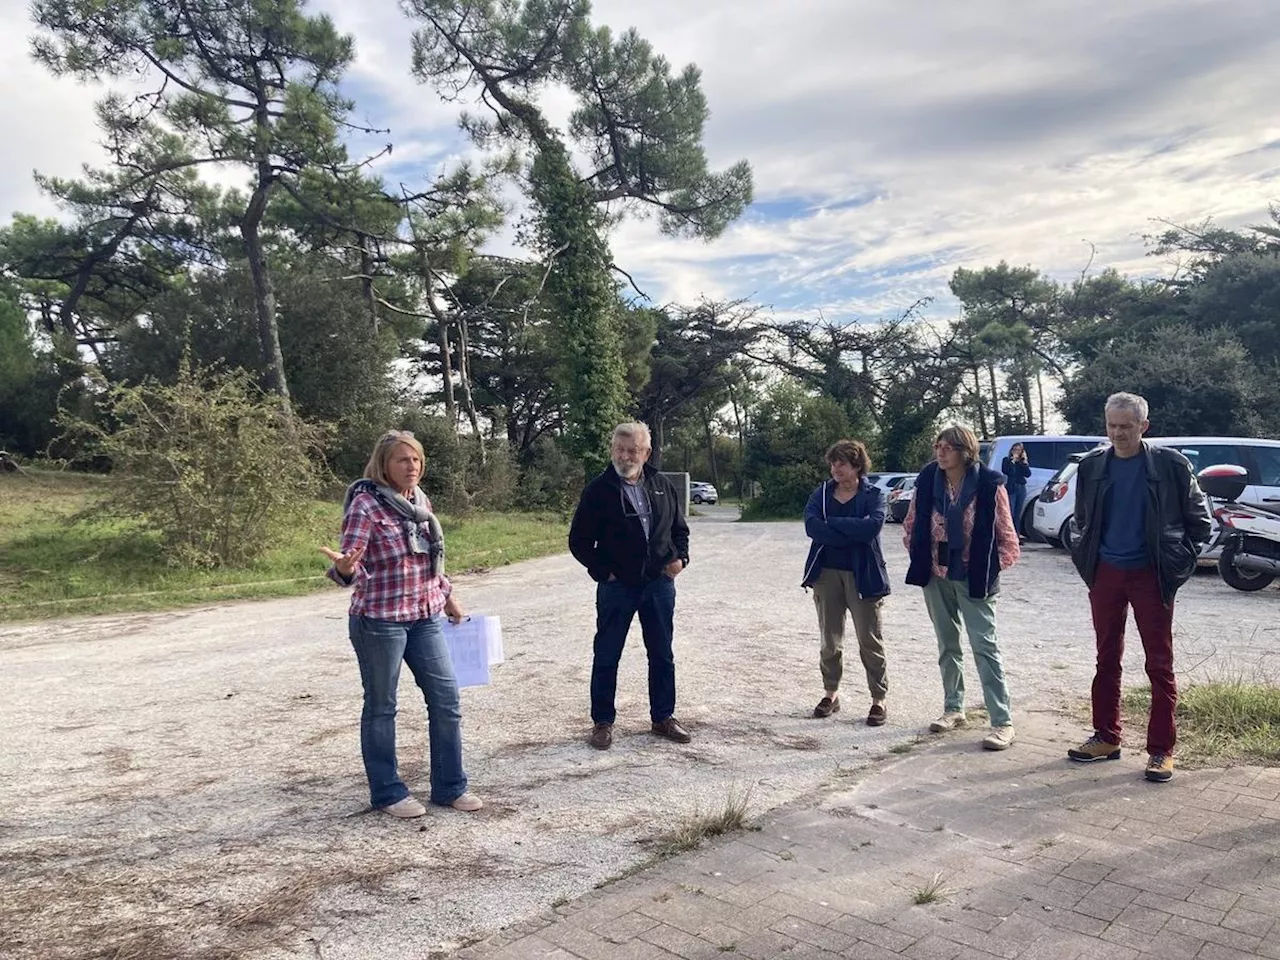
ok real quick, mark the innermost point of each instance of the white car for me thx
(700, 492)
(1051, 516)
(887, 481)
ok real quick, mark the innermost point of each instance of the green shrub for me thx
(208, 463)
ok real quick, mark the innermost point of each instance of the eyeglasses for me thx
(944, 447)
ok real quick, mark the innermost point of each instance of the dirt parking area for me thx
(189, 784)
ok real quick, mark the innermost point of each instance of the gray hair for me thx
(636, 430)
(1128, 401)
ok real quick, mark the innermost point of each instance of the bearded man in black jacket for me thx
(630, 533)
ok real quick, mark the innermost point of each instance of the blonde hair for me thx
(376, 468)
(963, 439)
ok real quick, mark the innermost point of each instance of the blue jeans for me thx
(616, 606)
(947, 602)
(1017, 500)
(381, 645)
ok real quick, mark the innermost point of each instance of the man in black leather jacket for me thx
(1140, 518)
(630, 533)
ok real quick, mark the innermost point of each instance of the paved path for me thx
(1036, 857)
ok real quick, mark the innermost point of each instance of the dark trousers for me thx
(1113, 592)
(616, 606)
(1017, 500)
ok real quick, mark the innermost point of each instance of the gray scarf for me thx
(414, 514)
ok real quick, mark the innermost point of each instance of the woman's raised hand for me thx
(344, 563)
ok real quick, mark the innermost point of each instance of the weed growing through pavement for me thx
(933, 891)
(731, 815)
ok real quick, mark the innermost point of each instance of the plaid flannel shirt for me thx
(391, 583)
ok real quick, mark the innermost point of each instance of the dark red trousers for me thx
(1114, 591)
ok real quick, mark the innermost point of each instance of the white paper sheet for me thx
(475, 645)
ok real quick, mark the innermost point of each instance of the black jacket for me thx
(608, 540)
(1177, 518)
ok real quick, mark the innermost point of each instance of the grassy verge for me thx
(56, 561)
(1219, 723)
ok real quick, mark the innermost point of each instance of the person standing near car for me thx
(1140, 517)
(1016, 471)
(630, 533)
(846, 569)
(959, 536)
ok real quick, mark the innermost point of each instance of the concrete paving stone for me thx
(1125, 936)
(1100, 908)
(530, 948)
(1216, 951)
(764, 945)
(1088, 871)
(1213, 896)
(1064, 919)
(691, 912)
(1259, 789)
(867, 951)
(883, 937)
(723, 934)
(1101, 950)
(1118, 893)
(1181, 908)
(1142, 918)
(1169, 945)
(968, 915)
(755, 919)
(805, 951)
(1270, 949)
(626, 927)
(799, 907)
(1058, 946)
(968, 953)
(1212, 933)
(1148, 883)
(995, 902)
(668, 938)
(934, 948)
(814, 934)
(575, 939)
(1270, 906)
(1000, 946)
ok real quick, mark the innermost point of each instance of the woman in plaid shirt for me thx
(393, 554)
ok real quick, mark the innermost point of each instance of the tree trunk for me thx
(442, 339)
(977, 393)
(1040, 396)
(366, 283)
(655, 440)
(264, 296)
(995, 400)
(711, 452)
(1024, 388)
(464, 380)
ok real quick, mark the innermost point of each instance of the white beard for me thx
(628, 471)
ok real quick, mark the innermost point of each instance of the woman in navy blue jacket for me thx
(846, 570)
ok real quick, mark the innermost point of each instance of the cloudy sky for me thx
(892, 141)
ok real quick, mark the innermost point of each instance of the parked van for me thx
(1045, 455)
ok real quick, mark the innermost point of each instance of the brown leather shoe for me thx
(876, 715)
(672, 730)
(602, 736)
(826, 707)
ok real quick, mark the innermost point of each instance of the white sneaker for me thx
(949, 721)
(1000, 738)
(405, 809)
(468, 803)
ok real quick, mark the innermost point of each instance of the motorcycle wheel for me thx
(1248, 580)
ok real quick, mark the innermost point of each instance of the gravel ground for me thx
(189, 784)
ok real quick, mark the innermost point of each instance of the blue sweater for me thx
(856, 530)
